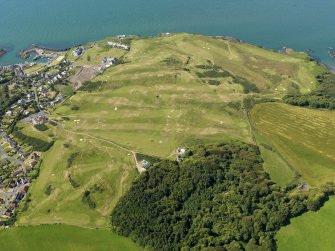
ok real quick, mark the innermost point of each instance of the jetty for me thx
(39, 53)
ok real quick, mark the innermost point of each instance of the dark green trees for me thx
(219, 197)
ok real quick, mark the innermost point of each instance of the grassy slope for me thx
(159, 107)
(99, 163)
(311, 231)
(305, 137)
(62, 237)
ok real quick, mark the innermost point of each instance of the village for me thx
(30, 95)
(31, 90)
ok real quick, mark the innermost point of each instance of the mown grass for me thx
(153, 103)
(279, 169)
(63, 238)
(304, 137)
(311, 231)
(98, 164)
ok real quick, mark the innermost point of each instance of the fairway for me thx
(311, 231)
(170, 91)
(305, 138)
(63, 238)
(76, 164)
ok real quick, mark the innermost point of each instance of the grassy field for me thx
(75, 164)
(63, 238)
(305, 138)
(171, 91)
(156, 101)
(276, 165)
(311, 231)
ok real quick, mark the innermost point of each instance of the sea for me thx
(298, 24)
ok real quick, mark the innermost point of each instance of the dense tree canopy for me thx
(322, 97)
(218, 198)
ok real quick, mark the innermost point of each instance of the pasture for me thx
(63, 238)
(305, 138)
(311, 231)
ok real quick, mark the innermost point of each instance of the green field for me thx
(305, 138)
(171, 91)
(98, 167)
(63, 238)
(311, 231)
(156, 101)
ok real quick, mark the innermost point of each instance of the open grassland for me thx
(305, 138)
(165, 95)
(63, 238)
(133, 116)
(279, 169)
(75, 164)
(270, 71)
(311, 231)
(171, 91)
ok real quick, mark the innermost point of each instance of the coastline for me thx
(287, 50)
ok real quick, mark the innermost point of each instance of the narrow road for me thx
(36, 97)
(139, 168)
(230, 52)
(133, 153)
(100, 139)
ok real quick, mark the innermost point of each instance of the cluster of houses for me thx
(38, 93)
(39, 120)
(118, 45)
(107, 62)
(14, 179)
(16, 149)
(34, 93)
(12, 67)
(13, 194)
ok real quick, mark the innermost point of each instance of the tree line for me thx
(322, 97)
(218, 198)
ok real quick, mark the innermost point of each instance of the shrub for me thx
(87, 200)
(41, 127)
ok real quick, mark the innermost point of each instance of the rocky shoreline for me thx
(2, 52)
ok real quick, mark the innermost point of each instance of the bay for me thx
(298, 24)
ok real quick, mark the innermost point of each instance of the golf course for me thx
(170, 91)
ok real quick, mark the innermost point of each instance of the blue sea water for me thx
(299, 24)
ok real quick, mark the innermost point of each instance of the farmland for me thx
(62, 237)
(305, 137)
(311, 231)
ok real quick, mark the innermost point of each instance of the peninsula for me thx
(167, 142)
